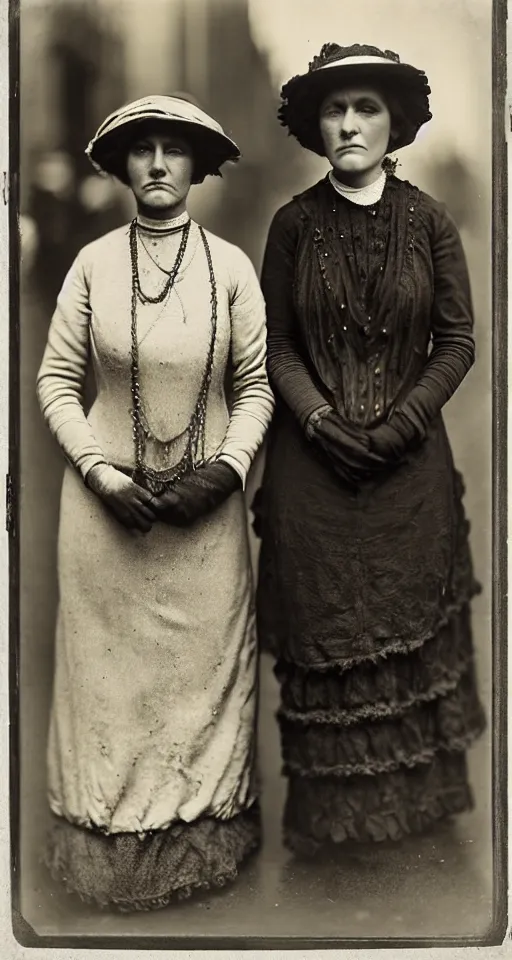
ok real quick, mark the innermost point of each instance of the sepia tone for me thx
(79, 61)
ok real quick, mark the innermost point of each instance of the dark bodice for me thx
(355, 298)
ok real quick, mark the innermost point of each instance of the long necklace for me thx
(143, 297)
(194, 433)
(151, 257)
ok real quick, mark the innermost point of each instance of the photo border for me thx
(23, 932)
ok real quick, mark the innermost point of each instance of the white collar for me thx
(163, 226)
(364, 196)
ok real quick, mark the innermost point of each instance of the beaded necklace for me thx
(172, 274)
(194, 433)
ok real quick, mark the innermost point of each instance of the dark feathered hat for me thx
(336, 67)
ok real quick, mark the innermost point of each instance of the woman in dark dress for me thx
(365, 569)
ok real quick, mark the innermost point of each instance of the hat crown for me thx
(332, 52)
(159, 107)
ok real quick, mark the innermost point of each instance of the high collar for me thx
(364, 196)
(163, 227)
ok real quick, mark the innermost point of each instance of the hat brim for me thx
(409, 85)
(210, 148)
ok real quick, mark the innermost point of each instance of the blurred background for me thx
(80, 59)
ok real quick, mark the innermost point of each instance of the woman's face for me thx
(160, 168)
(355, 124)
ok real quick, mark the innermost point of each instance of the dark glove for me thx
(197, 494)
(346, 446)
(129, 503)
(393, 439)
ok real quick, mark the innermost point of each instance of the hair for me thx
(398, 118)
(207, 157)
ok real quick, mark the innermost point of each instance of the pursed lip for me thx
(157, 185)
(350, 146)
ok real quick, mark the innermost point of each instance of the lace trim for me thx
(394, 645)
(162, 227)
(369, 711)
(365, 196)
(320, 813)
(382, 829)
(372, 768)
(376, 691)
(450, 724)
(129, 873)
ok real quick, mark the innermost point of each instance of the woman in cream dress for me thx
(151, 746)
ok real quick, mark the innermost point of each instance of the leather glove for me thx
(132, 505)
(346, 446)
(197, 494)
(393, 439)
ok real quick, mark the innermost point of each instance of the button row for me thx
(377, 408)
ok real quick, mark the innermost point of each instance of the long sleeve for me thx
(453, 346)
(287, 369)
(252, 398)
(61, 377)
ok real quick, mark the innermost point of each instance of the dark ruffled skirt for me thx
(378, 752)
(364, 600)
(127, 872)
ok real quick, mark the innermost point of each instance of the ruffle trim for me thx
(130, 873)
(448, 724)
(323, 813)
(394, 645)
(369, 711)
(373, 691)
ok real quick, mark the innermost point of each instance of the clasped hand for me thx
(357, 455)
(183, 504)
(347, 447)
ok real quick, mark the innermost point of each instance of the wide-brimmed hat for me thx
(210, 146)
(337, 66)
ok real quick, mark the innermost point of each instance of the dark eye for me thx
(140, 148)
(369, 108)
(175, 151)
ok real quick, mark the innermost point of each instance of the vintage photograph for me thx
(258, 682)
